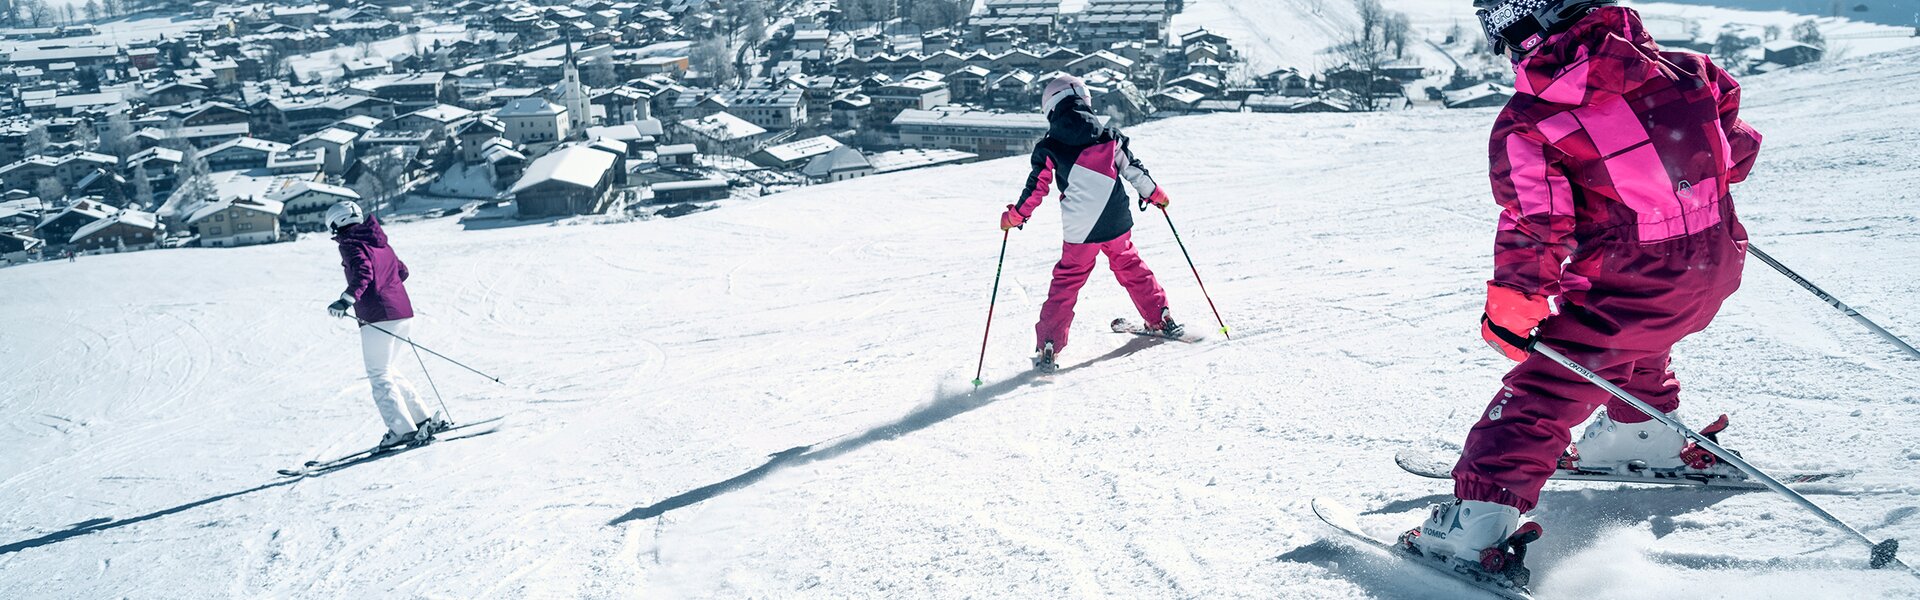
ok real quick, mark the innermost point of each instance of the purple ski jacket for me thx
(375, 276)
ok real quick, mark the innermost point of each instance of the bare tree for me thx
(1366, 52)
(142, 187)
(196, 183)
(93, 10)
(117, 137)
(49, 189)
(1730, 50)
(37, 140)
(1808, 32)
(710, 56)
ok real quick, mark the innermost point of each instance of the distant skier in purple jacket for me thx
(377, 295)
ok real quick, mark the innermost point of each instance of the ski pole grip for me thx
(1524, 343)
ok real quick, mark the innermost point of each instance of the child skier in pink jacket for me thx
(1087, 161)
(1612, 165)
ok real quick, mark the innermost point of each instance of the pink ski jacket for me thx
(1609, 138)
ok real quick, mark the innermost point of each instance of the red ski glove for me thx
(1158, 198)
(1515, 311)
(1011, 219)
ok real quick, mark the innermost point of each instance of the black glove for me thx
(339, 307)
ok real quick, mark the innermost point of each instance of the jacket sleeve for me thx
(403, 268)
(1038, 183)
(1743, 142)
(1537, 218)
(1134, 172)
(359, 270)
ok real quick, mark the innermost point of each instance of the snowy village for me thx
(809, 299)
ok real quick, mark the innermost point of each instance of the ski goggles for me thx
(1526, 32)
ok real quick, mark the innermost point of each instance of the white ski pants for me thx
(399, 405)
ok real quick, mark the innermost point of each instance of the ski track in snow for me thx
(771, 400)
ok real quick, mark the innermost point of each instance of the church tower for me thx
(572, 94)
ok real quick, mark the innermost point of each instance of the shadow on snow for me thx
(940, 409)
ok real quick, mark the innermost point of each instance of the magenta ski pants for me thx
(1076, 263)
(1643, 300)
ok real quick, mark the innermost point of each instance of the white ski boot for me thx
(1476, 536)
(1648, 447)
(1168, 327)
(1044, 362)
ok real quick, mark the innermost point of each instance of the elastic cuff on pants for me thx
(1472, 488)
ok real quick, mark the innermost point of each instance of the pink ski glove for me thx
(1011, 219)
(1515, 311)
(1159, 198)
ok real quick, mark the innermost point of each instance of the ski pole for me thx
(418, 347)
(1882, 553)
(1832, 301)
(431, 385)
(998, 265)
(1196, 273)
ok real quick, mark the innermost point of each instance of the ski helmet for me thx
(1522, 25)
(343, 214)
(1061, 87)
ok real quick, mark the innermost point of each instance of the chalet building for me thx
(534, 121)
(911, 94)
(408, 92)
(794, 154)
(236, 222)
(240, 154)
(304, 203)
(1034, 19)
(123, 230)
(775, 108)
(19, 247)
(697, 190)
(574, 180)
(336, 147)
(60, 226)
(841, 164)
(979, 132)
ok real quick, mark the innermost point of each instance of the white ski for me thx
(1124, 325)
(1342, 520)
(1439, 466)
(463, 430)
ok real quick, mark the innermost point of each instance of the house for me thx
(304, 203)
(979, 132)
(242, 153)
(506, 162)
(60, 226)
(1789, 53)
(719, 132)
(631, 135)
(19, 247)
(1176, 99)
(410, 91)
(533, 121)
(294, 161)
(916, 158)
(123, 230)
(678, 154)
(909, 94)
(1100, 60)
(443, 118)
(697, 190)
(473, 136)
(236, 222)
(840, 164)
(794, 154)
(769, 108)
(1491, 95)
(574, 180)
(336, 148)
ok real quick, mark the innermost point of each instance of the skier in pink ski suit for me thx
(1088, 160)
(1612, 165)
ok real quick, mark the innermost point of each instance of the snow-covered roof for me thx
(575, 165)
(442, 113)
(135, 218)
(626, 133)
(301, 187)
(807, 148)
(255, 144)
(678, 149)
(272, 207)
(901, 160)
(1782, 45)
(722, 126)
(530, 107)
(843, 158)
(692, 184)
(331, 135)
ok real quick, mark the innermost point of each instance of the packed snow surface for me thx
(772, 399)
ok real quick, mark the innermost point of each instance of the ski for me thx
(1342, 520)
(464, 430)
(1124, 325)
(1438, 466)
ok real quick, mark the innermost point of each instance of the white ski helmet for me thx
(343, 214)
(1060, 88)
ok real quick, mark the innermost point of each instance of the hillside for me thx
(770, 400)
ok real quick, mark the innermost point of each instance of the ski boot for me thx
(1168, 328)
(1482, 539)
(1044, 363)
(1647, 448)
(394, 441)
(425, 430)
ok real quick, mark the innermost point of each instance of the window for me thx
(213, 231)
(242, 226)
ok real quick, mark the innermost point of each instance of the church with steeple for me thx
(572, 94)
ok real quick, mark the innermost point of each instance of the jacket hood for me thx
(368, 233)
(1075, 124)
(1604, 56)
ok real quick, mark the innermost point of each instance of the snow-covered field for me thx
(770, 400)
(327, 63)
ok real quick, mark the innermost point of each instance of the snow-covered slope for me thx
(770, 400)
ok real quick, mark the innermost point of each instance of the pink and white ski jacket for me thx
(1087, 160)
(1609, 138)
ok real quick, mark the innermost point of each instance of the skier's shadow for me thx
(105, 523)
(936, 411)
